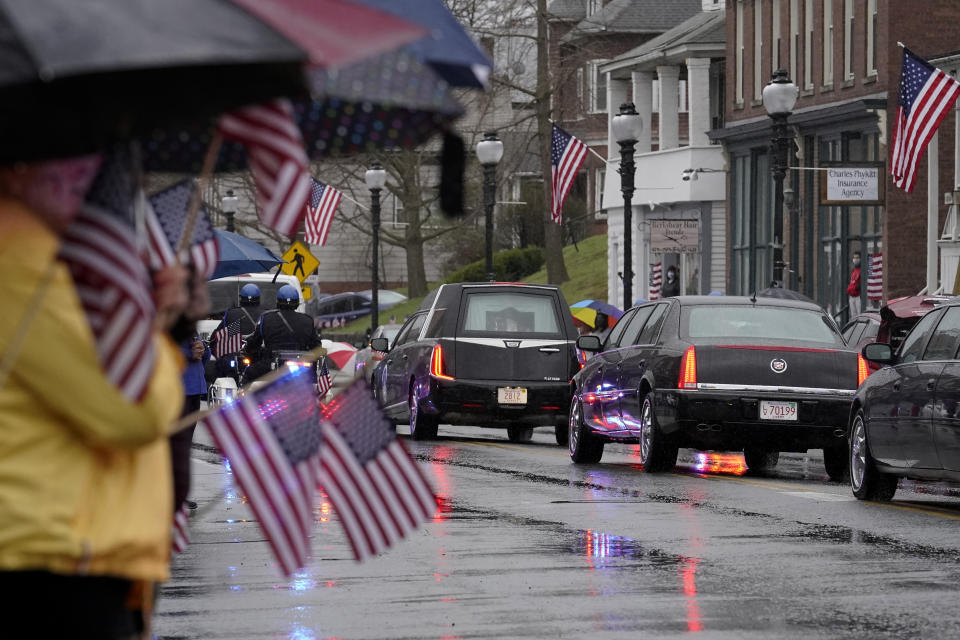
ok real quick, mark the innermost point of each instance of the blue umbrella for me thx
(241, 255)
(448, 49)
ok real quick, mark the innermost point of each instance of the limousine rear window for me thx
(755, 322)
(510, 312)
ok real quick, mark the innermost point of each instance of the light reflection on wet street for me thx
(524, 544)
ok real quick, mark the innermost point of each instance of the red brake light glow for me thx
(436, 364)
(863, 371)
(688, 370)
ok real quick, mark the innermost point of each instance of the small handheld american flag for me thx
(323, 203)
(227, 339)
(323, 379)
(656, 280)
(166, 220)
(378, 491)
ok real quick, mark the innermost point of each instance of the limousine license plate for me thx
(778, 410)
(512, 395)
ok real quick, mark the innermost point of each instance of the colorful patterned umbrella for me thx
(586, 311)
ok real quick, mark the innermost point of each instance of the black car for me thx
(761, 375)
(485, 354)
(905, 419)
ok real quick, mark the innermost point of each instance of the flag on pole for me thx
(567, 154)
(378, 491)
(656, 280)
(228, 339)
(277, 160)
(272, 439)
(323, 203)
(165, 221)
(925, 97)
(324, 383)
(180, 539)
(875, 276)
(100, 249)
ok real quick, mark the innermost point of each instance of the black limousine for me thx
(758, 375)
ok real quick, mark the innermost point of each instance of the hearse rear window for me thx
(751, 323)
(511, 313)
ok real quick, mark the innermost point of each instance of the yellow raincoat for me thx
(85, 479)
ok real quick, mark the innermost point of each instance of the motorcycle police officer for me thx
(248, 313)
(282, 329)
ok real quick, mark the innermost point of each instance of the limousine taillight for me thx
(863, 371)
(436, 364)
(688, 370)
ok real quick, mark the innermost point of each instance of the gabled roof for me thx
(704, 32)
(634, 16)
(567, 10)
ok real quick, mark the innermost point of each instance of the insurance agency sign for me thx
(852, 184)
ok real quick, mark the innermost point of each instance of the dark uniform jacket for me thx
(283, 330)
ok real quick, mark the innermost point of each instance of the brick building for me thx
(844, 57)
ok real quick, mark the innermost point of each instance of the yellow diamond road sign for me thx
(299, 261)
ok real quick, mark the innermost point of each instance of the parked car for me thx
(368, 357)
(905, 419)
(348, 306)
(760, 375)
(484, 354)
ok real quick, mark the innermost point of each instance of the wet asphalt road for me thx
(527, 545)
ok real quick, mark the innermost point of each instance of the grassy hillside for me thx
(586, 264)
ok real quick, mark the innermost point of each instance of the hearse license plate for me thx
(778, 410)
(512, 395)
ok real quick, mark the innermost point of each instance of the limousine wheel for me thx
(656, 453)
(760, 460)
(520, 434)
(867, 483)
(585, 447)
(835, 461)
(422, 425)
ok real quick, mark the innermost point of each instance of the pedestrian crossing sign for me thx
(298, 261)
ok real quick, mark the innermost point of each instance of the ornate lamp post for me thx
(489, 152)
(627, 126)
(376, 179)
(779, 97)
(229, 204)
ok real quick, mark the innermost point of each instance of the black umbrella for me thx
(783, 294)
(75, 76)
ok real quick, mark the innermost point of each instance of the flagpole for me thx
(355, 202)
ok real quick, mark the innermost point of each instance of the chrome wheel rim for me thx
(574, 437)
(413, 411)
(858, 453)
(646, 430)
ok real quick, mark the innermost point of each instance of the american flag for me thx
(227, 339)
(567, 153)
(324, 201)
(277, 160)
(926, 95)
(323, 379)
(165, 222)
(180, 535)
(656, 280)
(377, 489)
(875, 276)
(272, 439)
(99, 247)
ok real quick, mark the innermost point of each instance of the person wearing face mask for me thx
(853, 289)
(671, 285)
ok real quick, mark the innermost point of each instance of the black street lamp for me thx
(376, 179)
(229, 204)
(489, 152)
(779, 96)
(627, 126)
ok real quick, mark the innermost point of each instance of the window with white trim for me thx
(600, 177)
(827, 42)
(871, 57)
(598, 87)
(808, 45)
(580, 86)
(776, 37)
(757, 50)
(738, 81)
(399, 215)
(848, 39)
(794, 38)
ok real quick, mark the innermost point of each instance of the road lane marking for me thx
(816, 495)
